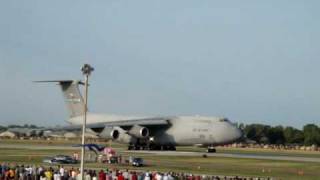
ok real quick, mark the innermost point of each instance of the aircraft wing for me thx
(129, 123)
(125, 124)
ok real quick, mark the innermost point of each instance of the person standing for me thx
(140, 176)
(102, 175)
(28, 170)
(147, 176)
(42, 173)
(134, 176)
(48, 174)
(94, 175)
(108, 175)
(120, 176)
(56, 175)
(21, 172)
(11, 174)
(87, 175)
(73, 174)
(61, 171)
(126, 174)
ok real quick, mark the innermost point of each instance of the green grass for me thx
(194, 164)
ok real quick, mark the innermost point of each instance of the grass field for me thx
(195, 164)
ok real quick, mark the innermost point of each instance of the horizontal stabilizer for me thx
(61, 81)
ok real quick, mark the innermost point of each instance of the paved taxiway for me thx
(232, 155)
(40, 146)
(176, 153)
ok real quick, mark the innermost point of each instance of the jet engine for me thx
(117, 134)
(124, 137)
(110, 133)
(139, 131)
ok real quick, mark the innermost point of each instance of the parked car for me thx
(60, 159)
(137, 162)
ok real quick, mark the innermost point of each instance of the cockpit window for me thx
(224, 120)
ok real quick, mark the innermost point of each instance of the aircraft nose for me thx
(238, 134)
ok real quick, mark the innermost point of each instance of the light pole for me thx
(86, 71)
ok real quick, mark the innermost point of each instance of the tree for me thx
(14, 126)
(293, 136)
(250, 132)
(2, 128)
(257, 132)
(275, 135)
(311, 134)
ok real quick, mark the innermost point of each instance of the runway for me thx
(231, 155)
(175, 153)
(40, 146)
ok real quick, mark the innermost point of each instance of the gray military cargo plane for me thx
(149, 133)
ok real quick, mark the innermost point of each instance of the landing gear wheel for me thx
(131, 147)
(172, 148)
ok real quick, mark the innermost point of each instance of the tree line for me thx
(265, 134)
(31, 126)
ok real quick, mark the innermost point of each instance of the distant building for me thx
(91, 135)
(8, 134)
(70, 135)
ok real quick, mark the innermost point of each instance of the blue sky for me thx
(251, 61)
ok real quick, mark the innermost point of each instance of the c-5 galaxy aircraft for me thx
(149, 133)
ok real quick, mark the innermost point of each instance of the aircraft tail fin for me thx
(72, 96)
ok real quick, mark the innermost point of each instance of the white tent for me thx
(8, 134)
(90, 135)
(70, 135)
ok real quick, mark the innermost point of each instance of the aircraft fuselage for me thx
(182, 131)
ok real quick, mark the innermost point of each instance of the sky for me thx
(250, 61)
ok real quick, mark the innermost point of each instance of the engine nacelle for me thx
(139, 131)
(110, 133)
(117, 134)
(124, 137)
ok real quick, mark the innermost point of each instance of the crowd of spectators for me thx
(33, 172)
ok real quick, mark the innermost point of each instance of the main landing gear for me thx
(152, 147)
